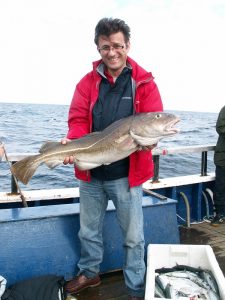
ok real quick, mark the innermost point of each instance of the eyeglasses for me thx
(107, 48)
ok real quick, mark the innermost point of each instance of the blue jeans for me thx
(94, 198)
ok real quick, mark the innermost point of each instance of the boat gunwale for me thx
(51, 211)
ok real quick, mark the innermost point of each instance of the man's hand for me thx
(146, 148)
(68, 159)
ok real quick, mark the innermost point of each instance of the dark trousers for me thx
(219, 193)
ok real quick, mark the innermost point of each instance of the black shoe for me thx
(217, 220)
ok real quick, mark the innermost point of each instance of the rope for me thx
(16, 181)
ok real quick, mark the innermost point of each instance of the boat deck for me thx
(113, 287)
(205, 234)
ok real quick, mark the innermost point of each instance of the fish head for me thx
(148, 128)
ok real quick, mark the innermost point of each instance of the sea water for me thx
(25, 127)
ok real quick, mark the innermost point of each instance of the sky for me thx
(47, 46)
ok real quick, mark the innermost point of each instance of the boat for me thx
(42, 238)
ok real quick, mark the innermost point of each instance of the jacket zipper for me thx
(136, 102)
(145, 81)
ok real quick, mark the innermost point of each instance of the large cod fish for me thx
(115, 142)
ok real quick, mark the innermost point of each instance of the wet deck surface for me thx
(113, 288)
(205, 234)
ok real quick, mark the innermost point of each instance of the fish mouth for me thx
(170, 129)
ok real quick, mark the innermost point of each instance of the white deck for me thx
(36, 195)
(66, 193)
(178, 181)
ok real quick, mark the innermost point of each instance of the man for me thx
(116, 88)
(219, 160)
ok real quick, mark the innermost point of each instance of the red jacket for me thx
(147, 99)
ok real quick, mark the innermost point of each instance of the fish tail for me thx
(25, 168)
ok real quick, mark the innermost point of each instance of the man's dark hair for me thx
(107, 26)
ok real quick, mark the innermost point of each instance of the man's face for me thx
(113, 51)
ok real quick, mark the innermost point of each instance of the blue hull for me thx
(44, 240)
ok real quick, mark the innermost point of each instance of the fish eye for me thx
(157, 116)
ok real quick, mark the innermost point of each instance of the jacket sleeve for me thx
(78, 119)
(150, 99)
(155, 98)
(220, 124)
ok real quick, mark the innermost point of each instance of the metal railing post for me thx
(204, 164)
(14, 189)
(156, 168)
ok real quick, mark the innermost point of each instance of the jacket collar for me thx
(138, 73)
(100, 68)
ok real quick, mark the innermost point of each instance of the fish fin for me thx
(90, 135)
(126, 142)
(53, 163)
(25, 168)
(48, 145)
(122, 139)
(144, 141)
(82, 165)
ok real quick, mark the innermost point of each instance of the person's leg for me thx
(93, 204)
(219, 194)
(128, 203)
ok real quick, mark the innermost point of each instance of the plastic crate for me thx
(164, 255)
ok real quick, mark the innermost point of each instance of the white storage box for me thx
(162, 255)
